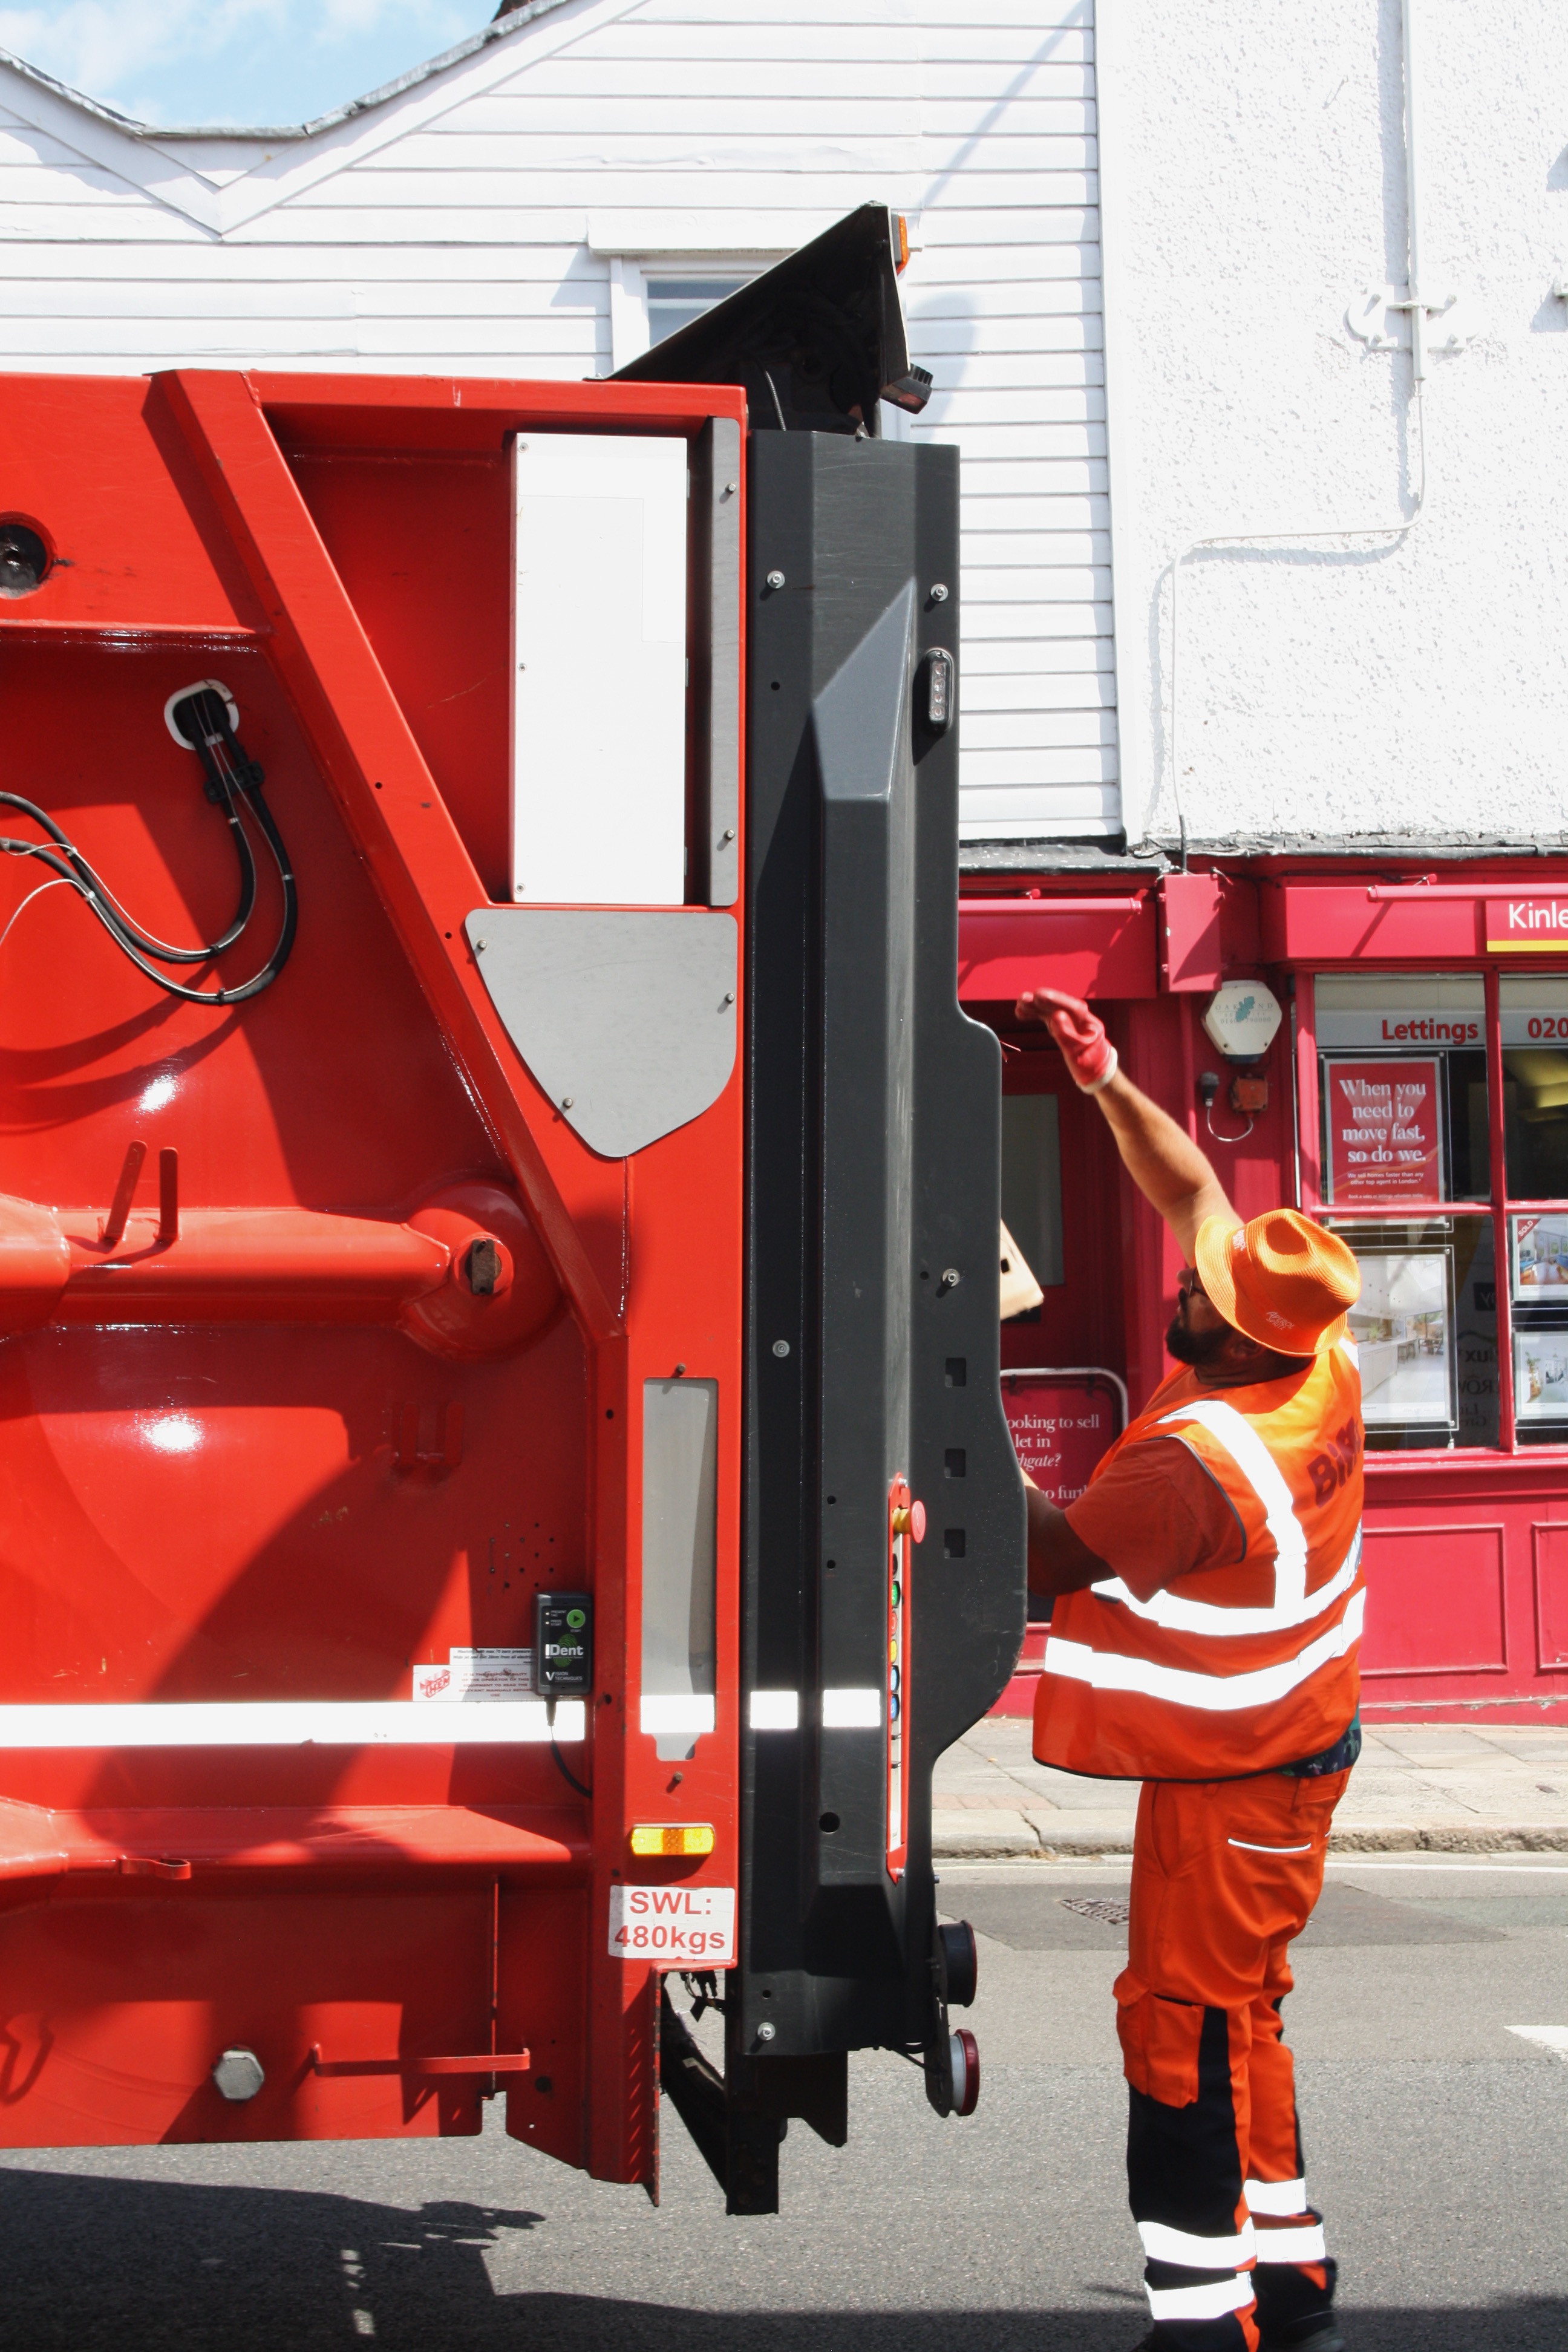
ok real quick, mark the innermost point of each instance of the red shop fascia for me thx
(1414, 1097)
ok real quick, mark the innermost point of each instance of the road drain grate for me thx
(1097, 1906)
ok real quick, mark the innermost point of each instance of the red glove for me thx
(1080, 1033)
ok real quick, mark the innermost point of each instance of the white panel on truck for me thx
(598, 743)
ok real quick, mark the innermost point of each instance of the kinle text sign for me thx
(1526, 926)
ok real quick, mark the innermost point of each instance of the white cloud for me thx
(176, 61)
(93, 45)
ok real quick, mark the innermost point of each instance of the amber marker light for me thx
(672, 1837)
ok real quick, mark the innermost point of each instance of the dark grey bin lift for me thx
(873, 1188)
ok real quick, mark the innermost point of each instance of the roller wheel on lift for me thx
(965, 2065)
(953, 2071)
(958, 1962)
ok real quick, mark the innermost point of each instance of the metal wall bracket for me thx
(1380, 318)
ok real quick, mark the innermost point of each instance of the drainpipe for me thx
(1412, 304)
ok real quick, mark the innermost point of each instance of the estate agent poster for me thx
(1541, 1261)
(1060, 1426)
(1541, 1375)
(1384, 1132)
(1400, 1324)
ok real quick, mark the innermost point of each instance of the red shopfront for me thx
(1416, 1100)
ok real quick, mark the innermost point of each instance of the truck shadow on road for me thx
(95, 2264)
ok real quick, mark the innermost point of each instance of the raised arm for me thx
(1166, 1165)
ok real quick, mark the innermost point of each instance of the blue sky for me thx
(244, 61)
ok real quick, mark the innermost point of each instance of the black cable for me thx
(221, 782)
(229, 773)
(119, 920)
(564, 1768)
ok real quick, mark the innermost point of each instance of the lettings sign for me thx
(1526, 926)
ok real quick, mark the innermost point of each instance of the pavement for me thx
(1418, 1787)
(1430, 2013)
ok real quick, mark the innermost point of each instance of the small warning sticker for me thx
(477, 1675)
(680, 1927)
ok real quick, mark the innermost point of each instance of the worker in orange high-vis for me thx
(1208, 1601)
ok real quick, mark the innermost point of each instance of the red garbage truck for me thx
(503, 1488)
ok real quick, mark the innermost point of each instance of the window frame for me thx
(629, 276)
(1500, 1206)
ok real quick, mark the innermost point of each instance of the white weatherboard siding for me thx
(469, 224)
(1255, 188)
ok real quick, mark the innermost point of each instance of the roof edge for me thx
(1039, 855)
(157, 134)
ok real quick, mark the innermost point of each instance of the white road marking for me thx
(1467, 1866)
(1550, 2037)
(954, 1869)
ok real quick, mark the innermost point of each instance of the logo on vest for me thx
(1329, 1470)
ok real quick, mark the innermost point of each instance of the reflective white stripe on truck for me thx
(677, 1712)
(852, 1710)
(776, 1710)
(294, 1722)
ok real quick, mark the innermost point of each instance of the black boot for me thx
(1294, 2313)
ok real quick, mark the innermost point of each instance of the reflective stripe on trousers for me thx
(1213, 2299)
(1183, 2180)
(1214, 2156)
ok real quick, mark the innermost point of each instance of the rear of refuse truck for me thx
(504, 1494)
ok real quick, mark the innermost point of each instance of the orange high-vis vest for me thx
(1231, 1670)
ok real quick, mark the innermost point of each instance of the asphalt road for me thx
(1437, 2142)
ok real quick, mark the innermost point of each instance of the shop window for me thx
(1534, 1018)
(1425, 1328)
(675, 302)
(652, 299)
(1403, 1088)
(1032, 1184)
(1462, 1325)
(1532, 1023)
(1405, 1119)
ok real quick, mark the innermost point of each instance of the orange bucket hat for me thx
(1281, 1280)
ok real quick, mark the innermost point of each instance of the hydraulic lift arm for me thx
(884, 1538)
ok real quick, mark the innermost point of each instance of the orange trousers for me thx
(1225, 1874)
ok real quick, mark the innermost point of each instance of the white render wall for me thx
(472, 224)
(1254, 188)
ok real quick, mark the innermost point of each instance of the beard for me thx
(1195, 1348)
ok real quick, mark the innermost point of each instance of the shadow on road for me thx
(91, 2264)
